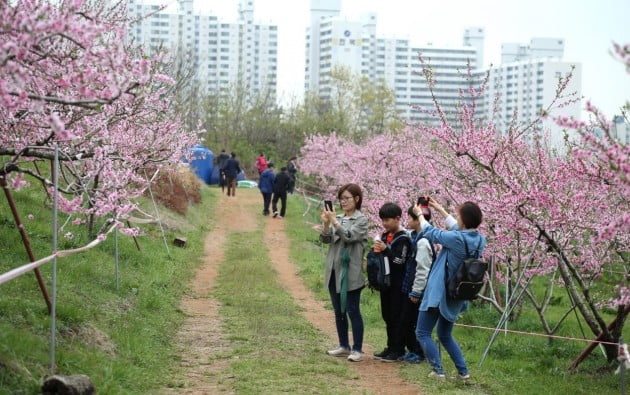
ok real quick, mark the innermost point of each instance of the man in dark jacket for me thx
(265, 184)
(221, 160)
(231, 169)
(280, 188)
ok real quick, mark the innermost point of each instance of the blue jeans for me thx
(353, 312)
(426, 322)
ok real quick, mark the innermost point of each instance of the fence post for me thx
(116, 256)
(54, 265)
(622, 370)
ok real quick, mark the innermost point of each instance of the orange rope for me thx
(537, 334)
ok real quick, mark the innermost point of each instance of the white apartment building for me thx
(222, 53)
(620, 129)
(525, 82)
(332, 40)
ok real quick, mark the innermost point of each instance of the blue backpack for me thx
(378, 268)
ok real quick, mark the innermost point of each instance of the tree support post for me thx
(25, 241)
(592, 346)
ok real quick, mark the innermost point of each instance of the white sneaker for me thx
(355, 356)
(339, 352)
(439, 376)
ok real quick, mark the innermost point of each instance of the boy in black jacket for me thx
(392, 299)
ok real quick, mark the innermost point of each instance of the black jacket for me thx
(232, 167)
(281, 184)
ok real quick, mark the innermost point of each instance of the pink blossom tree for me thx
(68, 79)
(560, 218)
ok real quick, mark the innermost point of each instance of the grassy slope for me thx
(121, 338)
(520, 364)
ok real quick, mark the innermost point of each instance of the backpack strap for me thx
(399, 237)
(419, 236)
(466, 247)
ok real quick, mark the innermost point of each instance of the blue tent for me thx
(201, 162)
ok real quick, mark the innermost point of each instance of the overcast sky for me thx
(588, 28)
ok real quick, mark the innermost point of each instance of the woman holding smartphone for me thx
(347, 235)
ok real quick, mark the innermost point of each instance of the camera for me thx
(328, 205)
(423, 201)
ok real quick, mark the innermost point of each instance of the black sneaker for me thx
(379, 355)
(392, 357)
(275, 214)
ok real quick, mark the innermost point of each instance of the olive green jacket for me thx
(353, 235)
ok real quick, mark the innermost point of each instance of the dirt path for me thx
(201, 337)
(374, 376)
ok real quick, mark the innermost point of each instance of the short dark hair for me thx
(283, 168)
(389, 210)
(471, 215)
(411, 214)
(270, 164)
(233, 155)
(354, 190)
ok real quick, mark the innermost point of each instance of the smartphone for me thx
(423, 201)
(328, 205)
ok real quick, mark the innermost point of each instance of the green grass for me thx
(274, 349)
(121, 339)
(518, 363)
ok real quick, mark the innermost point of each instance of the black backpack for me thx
(378, 268)
(469, 278)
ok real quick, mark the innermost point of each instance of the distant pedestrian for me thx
(261, 163)
(265, 184)
(292, 170)
(231, 169)
(280, 188)
(221, 160)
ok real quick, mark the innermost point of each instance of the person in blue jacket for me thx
(436, 307)
(265, 184)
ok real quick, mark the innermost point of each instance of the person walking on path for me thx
(280, 188)
(292, 170)
(347, 236)
(436, 307)
(265, 184)
(221, 160)
(232, 168)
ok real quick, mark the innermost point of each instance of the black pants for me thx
(274, 203)
(408, 326)
(266, 202)
(392, 302)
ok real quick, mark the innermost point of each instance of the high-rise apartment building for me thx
(526, 82)
(222, 54)
(620, 129)
(333, 40)
(522, 84)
